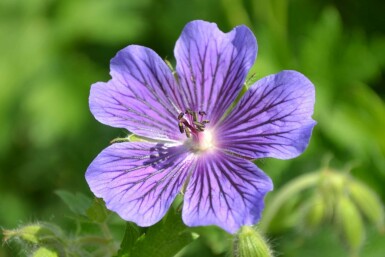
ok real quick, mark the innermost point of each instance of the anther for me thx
(190, 124)
(181, 127)
(188, 132)
(199, 124)
(195, 116)
(200, 129)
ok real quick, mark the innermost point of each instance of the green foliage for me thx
(164, 239)
(78, 203)
(131, 236)
(52, 51)
(44, 252)
(97, 212)
(325, 197)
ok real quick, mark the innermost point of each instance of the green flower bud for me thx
(33, 233)
(44, 252)
(315, 211)
(350, 223)
(368, 203)
(250, 243)
(332, 185)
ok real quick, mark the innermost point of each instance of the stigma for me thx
(193, 125)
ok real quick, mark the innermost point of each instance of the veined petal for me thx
(226, 191)
(212, 65)
(273, 118)
(140, 97)
(139, 181)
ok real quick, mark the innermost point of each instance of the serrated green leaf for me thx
(164, 239)
(97, 211)
(131, 235)
(78, 203)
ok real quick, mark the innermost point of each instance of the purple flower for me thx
(193, 147)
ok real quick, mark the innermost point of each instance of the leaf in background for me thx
(214, 237)
(131, 235)
(323, 243)
(319, 53)
(78, 203)
(356, 126)
(97, 211)
(108, 22)
(164, 239)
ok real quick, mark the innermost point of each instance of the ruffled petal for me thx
(212, 65)
(139, 181)
(140, 97)
(273, 118)
(226, 191)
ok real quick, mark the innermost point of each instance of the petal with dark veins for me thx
(226, 191)
(139, 181)
(141, 96)
(273, 118)
(212, 65)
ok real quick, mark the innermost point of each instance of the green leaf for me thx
(78, 203)
(214, 237)
(164, 239)
(97, 211)
(131, 235)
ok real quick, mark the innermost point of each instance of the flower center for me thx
(193, 124)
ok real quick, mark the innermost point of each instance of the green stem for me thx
(286, 193)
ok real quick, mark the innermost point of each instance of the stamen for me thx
(181, 127)
(191, 125)
(200, 129)
(195, 116)
(188, 132)
(199, 124)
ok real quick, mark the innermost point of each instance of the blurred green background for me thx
(51, 51)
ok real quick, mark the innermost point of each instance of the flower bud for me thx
(44, 252)
(250, 243)
(332, 185)
(315, 211)
(350, 223)
(368, 203)
(33, 233)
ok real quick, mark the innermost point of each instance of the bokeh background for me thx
(51, 51)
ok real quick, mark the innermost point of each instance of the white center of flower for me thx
(193, 124)
(206, 140)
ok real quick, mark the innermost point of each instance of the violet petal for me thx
(140, 96)
(226, 191)
(273, 118)
(212, 65)
(139, 181)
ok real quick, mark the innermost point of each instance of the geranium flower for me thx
(194, 148)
